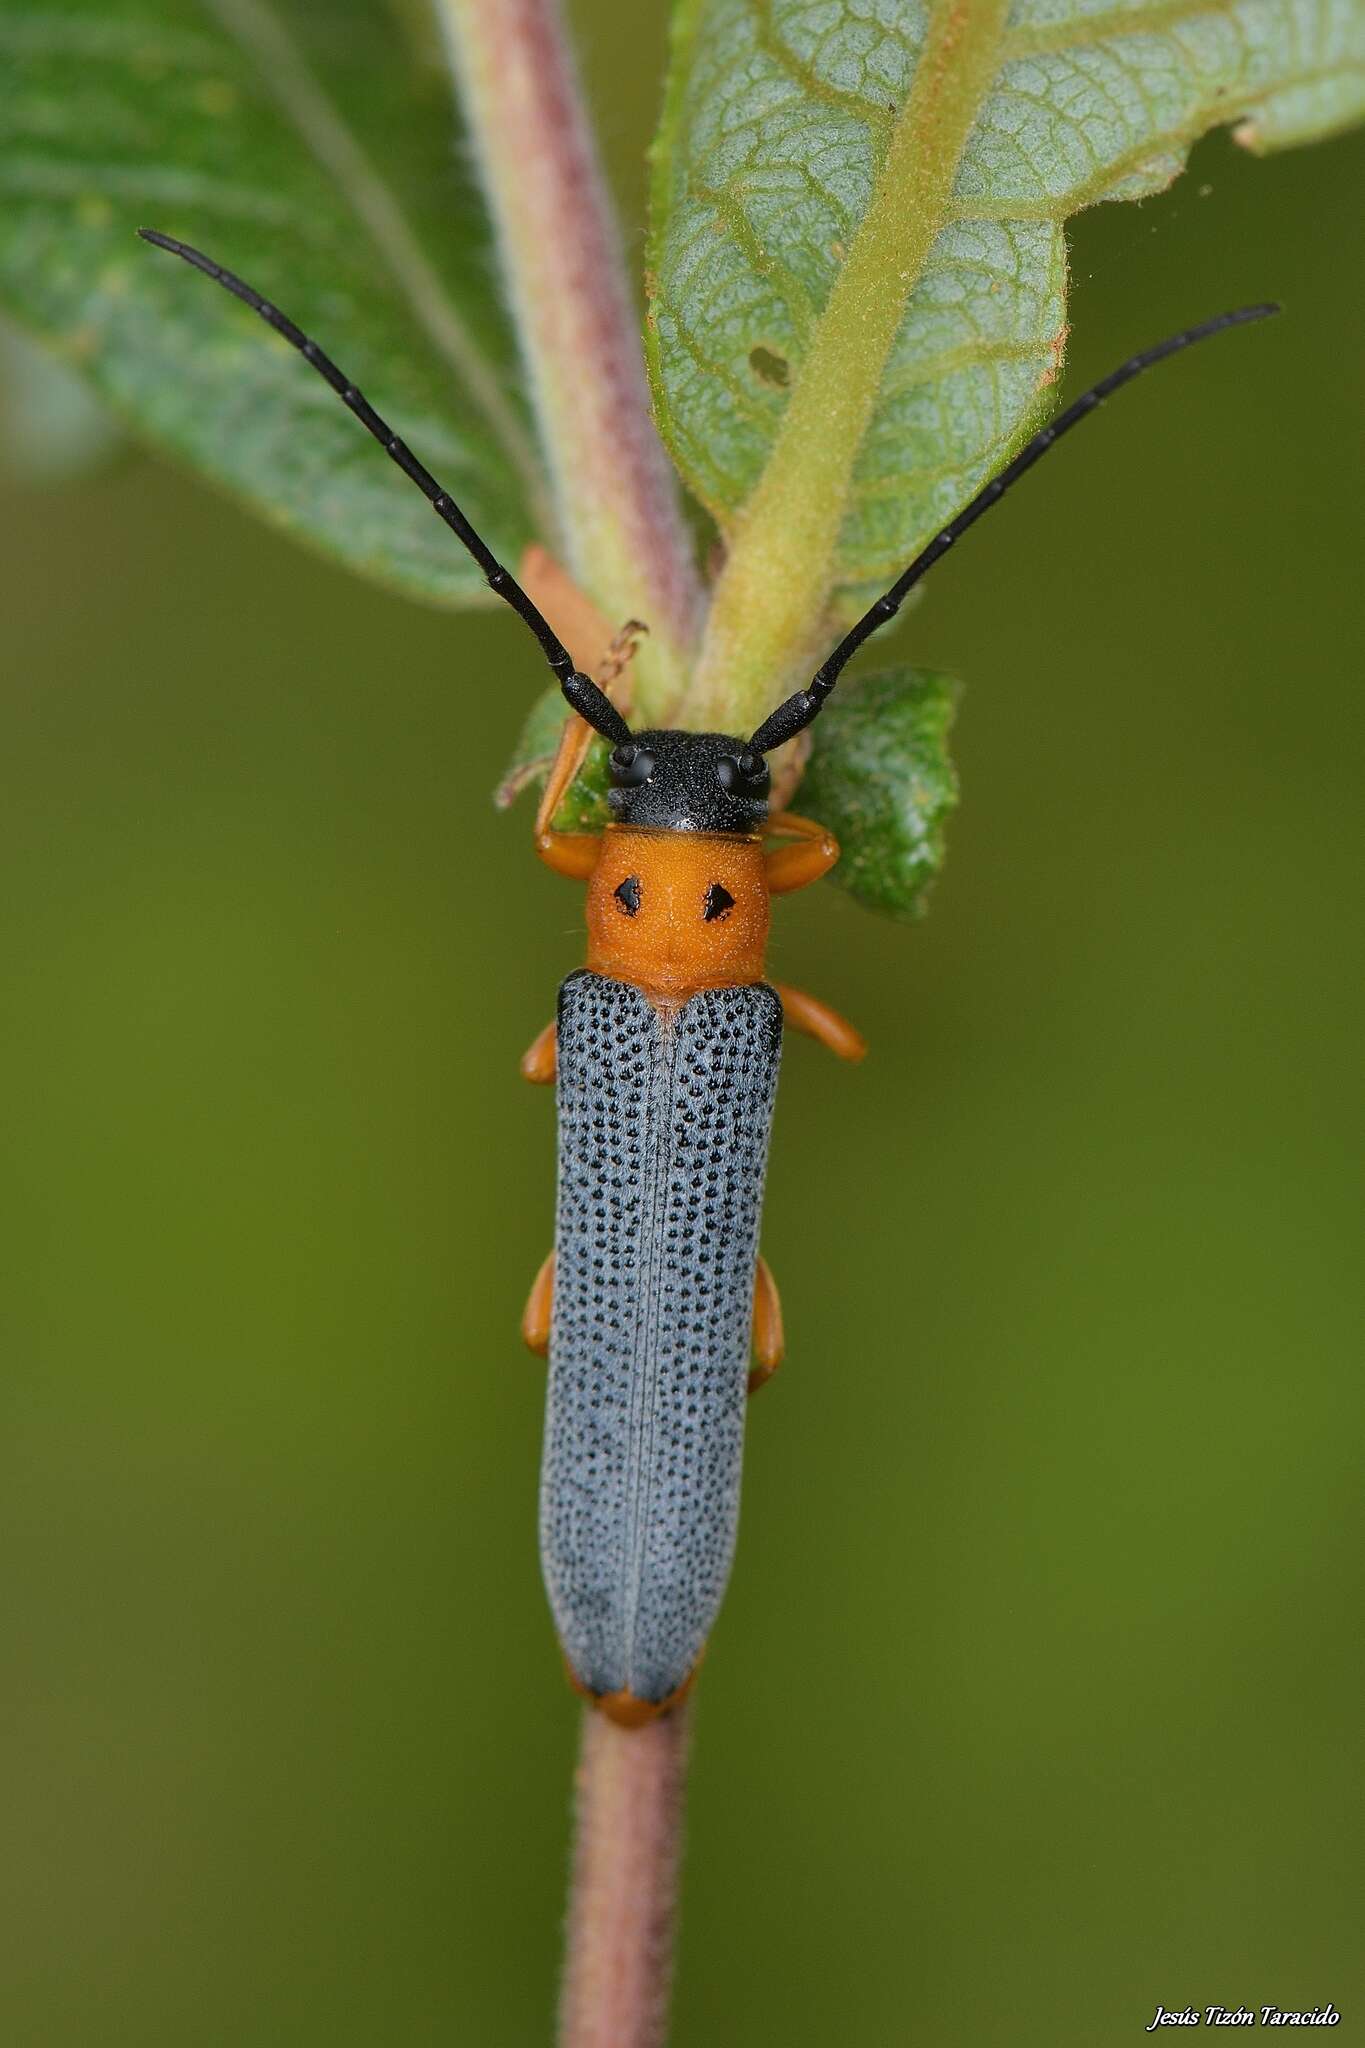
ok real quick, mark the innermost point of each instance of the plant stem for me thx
(624, 540)
(775, 586)
(621, 528)
(619, 1954)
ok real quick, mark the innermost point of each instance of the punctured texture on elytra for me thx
(664, 1121)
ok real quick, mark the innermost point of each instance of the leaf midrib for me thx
(772, 594)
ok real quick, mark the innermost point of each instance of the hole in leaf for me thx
(771, 368)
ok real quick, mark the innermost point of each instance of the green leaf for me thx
(881, 778)
(52, 427)
(880, 189)
(584, 807)
(312, 150)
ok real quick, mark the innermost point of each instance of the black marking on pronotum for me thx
(718, 901)
(627, 894)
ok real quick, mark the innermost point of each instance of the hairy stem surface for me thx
(619, 1956)
(620, 524)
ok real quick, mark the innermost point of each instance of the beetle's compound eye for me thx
(746, 773)
(630, 765)
(627, 894)
(718, 901)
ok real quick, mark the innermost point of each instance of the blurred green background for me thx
(1036, 1696)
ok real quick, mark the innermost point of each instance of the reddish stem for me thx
(630, 1789)
(622, 530)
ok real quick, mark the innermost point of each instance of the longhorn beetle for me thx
(665, 1052)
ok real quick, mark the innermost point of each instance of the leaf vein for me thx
(967, 356)
(875, 116)
(253, 25)
(1118, 24)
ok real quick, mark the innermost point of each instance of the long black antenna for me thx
(580, 690)
(798, 711)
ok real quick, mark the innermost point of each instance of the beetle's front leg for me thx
(540, 1061)
(809, 853)
(817, 1020)
(769, 1343)
(569, 853)
(535, 1317)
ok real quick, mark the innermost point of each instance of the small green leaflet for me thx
(774, 150)
(311, 150)
(584, 808)
(881, 778)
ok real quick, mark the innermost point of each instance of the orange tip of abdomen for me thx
(625, 1708)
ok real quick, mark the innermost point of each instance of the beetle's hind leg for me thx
(768, 1340)
(535, 1317)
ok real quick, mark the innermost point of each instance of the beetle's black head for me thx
(688, 782)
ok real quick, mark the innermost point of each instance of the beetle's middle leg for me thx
(540, 1060)
(768, 1340)
(817, 1020)
(535, 1317)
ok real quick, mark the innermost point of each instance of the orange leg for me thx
(569, 853)
(809, 1014)
(539, 1062)
(768, 1341)
(575, 853)
(811, 853)
(535, 1317)
(570, 755)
